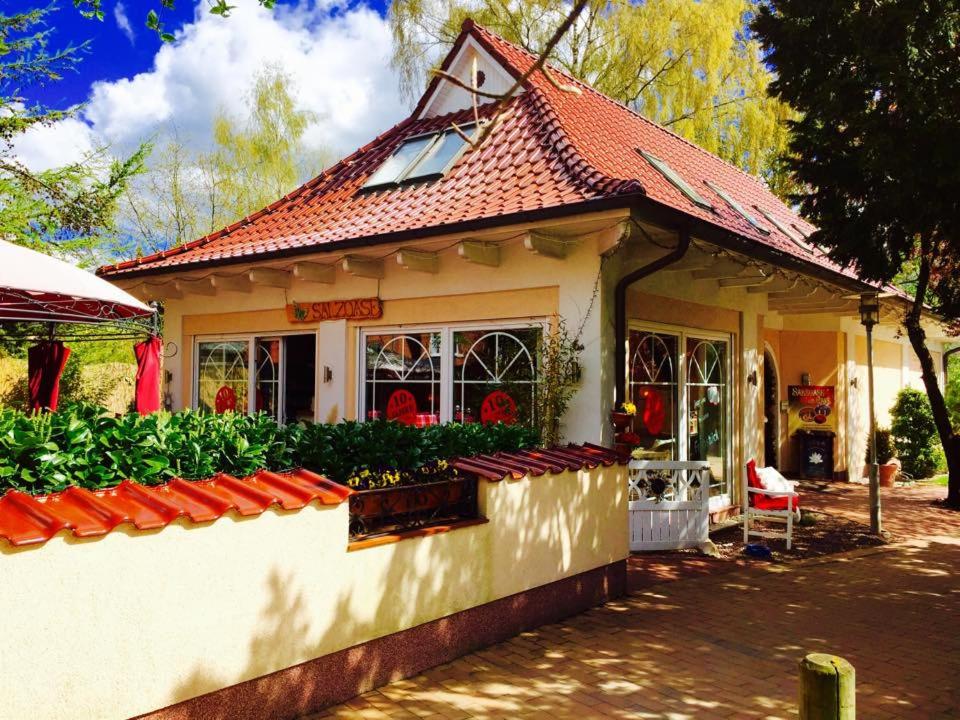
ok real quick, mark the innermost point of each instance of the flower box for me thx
(407, 507)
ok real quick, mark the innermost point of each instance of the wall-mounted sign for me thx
(812, 407)
(356, 309)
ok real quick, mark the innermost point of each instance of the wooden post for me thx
(827, 688)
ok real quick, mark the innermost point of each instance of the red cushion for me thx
(763, 501)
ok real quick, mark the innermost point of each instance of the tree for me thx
(93, 9)
(875, 150)
(187, 193)
(688, 65)
(65, 210)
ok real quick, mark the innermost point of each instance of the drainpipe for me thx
(620, 309)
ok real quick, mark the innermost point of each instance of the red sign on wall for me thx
(356, 309)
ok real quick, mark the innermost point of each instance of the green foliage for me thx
(914, 433)
(82, 445)
(93, 9)
(953, 388)
(255, 160)
(874, 151)
(67, 209)
(689, 65)
(885, 448)
(343, 451)
(558, 376)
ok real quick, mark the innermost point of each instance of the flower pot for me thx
(406, 507)
(621, 420)
(888, 474)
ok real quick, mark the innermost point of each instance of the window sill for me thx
(408, 534)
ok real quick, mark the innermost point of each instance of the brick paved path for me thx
(727, 645)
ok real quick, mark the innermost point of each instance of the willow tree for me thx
(252, 161)
(694, 67)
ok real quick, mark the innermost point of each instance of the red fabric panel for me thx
(765, 502)
(45, 363)
(148, 375)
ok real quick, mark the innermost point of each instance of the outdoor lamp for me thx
(870, 309)
(870, 316)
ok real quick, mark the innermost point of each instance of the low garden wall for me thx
(134, 622)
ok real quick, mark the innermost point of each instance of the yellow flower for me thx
(629, 408)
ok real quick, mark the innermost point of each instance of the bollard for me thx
(827, 688)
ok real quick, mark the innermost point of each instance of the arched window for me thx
(495, 375)
(653, 389)
(223, 376)
(403, 377)
(707, 407)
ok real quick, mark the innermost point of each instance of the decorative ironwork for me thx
(410, 507)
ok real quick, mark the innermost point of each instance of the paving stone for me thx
(726, 644)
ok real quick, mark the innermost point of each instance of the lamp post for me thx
(869, 317)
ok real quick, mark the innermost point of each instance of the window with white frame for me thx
(679, 382)
(462, 374)
(275, 375)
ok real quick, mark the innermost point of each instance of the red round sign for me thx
(226, 399)
(498, 407)
(402, 407)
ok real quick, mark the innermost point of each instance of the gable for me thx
(446, 97)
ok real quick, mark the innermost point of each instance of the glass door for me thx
(706, 400)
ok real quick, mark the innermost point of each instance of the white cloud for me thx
(123, 22)
(49, 146)
(339, 61)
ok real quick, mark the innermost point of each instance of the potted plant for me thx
(889, 465)
(623, 417)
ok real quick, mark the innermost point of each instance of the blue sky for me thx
(117, 52)
(135, 88)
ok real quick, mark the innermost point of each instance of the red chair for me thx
(769, 505)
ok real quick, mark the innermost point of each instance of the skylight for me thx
(419, 158)
(736, 207)
(794, 235)
(678, 182)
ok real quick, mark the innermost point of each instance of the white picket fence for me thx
(669, 504)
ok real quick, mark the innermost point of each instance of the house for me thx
(413, 279)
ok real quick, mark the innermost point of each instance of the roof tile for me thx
(551, 149)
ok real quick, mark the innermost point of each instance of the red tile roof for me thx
(553, 149)
(536, 462)
(28, 519)
(32, 520)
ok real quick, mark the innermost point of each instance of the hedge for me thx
(84, 445)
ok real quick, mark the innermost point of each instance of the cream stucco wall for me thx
(135, 621)
(525, 286)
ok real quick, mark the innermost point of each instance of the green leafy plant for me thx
(885, 448)
(558, 376)
(83, 445)
(914, 433)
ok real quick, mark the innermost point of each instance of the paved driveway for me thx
(726, 645)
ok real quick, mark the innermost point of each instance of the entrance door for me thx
(771, 412)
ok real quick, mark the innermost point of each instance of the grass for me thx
(938, 480)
